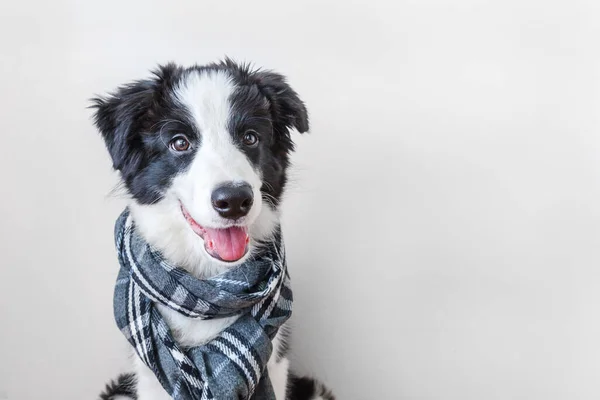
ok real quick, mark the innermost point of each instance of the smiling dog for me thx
(203, 153)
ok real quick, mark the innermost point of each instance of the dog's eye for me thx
(250, 138)
(180, 143)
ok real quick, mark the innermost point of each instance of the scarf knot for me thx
(231, 366)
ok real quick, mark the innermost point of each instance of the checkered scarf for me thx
(231, 366)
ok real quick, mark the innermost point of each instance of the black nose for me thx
(232, 200)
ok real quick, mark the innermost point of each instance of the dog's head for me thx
(203, 152)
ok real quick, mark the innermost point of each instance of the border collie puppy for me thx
(203, 153)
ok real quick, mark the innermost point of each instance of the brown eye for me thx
(250, 138)
(179, 144)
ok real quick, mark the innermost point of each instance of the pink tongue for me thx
(229, 244)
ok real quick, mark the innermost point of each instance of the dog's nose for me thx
(232, 200)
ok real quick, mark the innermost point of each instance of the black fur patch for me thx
(124, 385)
(138, 119)
(307, 389)
(267, 104)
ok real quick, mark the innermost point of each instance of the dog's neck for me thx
(164, 228)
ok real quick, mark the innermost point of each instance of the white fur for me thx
(206, 97)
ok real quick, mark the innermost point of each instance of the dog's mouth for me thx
(224, 244)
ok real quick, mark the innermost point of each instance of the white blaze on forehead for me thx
(206, 97)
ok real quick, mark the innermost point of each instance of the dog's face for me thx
(203, 152)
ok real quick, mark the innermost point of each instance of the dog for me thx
(202, 152)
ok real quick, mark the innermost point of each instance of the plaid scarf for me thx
(231, 366)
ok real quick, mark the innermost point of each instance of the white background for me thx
(443, 222)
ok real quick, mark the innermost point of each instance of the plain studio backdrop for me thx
(443, 220)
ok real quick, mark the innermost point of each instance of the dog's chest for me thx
(190, 332)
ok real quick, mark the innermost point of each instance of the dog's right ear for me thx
(116, 117)
(120, 117)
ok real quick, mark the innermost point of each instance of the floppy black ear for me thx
(287, 108)
(117, 116)
(120, 118)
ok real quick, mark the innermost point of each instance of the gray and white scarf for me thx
(231, 366)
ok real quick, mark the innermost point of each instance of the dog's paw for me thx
(122, 388)
(307, 389)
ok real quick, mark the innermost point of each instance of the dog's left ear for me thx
(287, 108)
